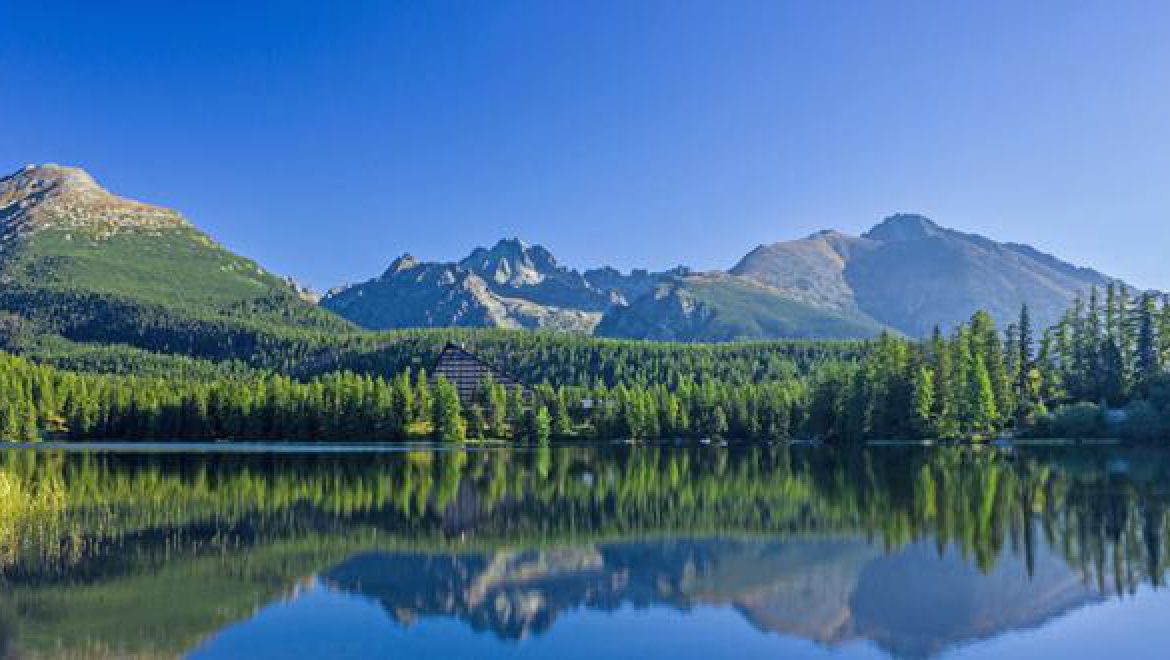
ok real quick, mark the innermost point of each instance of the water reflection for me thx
(910, 552)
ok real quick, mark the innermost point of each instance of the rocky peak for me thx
(401, 264)
(512, 262)
(56, 196)
(33, 180)
(903, 227)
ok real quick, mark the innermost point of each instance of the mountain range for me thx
(83, 263)
(907, 275)
(832, 591)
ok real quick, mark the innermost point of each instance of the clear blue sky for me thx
(326, 138)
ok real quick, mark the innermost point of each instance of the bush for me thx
(1143, 422)
(1078, 420)
(1160, 393)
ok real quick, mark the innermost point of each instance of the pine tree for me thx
(447, 422)
(497, 409)
(539, 425)
(1148, 363)
(924, 402)
(983, 413)
(515, 407)
(11, 429)
(1024, 348)
(476, 421)
(28, 423)
(1164, 332)
(422, 395)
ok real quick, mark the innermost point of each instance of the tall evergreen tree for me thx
(1148, 360)
(447, 422)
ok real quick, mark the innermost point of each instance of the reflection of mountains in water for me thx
(912, 603)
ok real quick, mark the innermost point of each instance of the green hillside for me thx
(78, 262)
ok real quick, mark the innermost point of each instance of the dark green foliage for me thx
(1076, 420)
(447, 424)
(972, 383)
(539, 425)
(1142, 423)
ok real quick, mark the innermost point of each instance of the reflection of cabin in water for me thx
(466, 372)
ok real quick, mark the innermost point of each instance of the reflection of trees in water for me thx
(61, 509)
(231, 532)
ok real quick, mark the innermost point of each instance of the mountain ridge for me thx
(60, 231)
(512, 284)
(79, 262)
(907, 274)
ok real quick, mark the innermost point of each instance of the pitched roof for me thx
(466, 371)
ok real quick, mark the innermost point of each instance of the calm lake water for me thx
(585, 553)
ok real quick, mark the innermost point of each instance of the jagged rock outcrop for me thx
(50, 196)
(511, 285)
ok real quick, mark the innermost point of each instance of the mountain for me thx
(516, 285)
(79, 262)
(82, 263)
(907, 274)
(511, 285)
(912, 602)
(722, 307)
(911, 274)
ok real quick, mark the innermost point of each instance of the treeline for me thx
(267, 333)
(36, 400)
(83, 330)
(563, 359)
(1101, 370)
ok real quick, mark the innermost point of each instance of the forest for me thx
(1101, 371)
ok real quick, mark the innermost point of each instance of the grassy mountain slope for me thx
(80, 262)
(722, 307)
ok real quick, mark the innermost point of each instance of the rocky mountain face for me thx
(912, 602)
(62, 232)
(723, 307)
(907, 274)
(40, 197)
(511, 285)
(910, 274)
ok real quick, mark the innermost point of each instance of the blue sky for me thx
(324, 139)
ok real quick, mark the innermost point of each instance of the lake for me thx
(584, 552)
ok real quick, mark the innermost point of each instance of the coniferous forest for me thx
(1101, 371)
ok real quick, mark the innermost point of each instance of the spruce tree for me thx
(446, 419)
(422, 395)
(924, 402)
(562, 422)
(983, 413)
(1024, 347)
(1148, 361)
(539, 425)
(10, 425)
(28, 423)
(516, 408)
